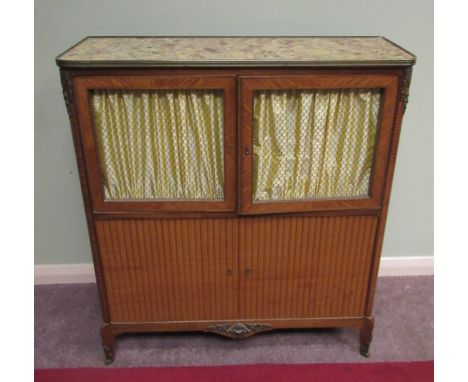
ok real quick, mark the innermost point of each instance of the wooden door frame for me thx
(248, 84)
(227, 83)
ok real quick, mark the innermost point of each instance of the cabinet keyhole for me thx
(247, 271)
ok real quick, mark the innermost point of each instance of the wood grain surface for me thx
(303, 267)
(170, 270)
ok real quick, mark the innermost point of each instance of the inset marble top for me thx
(234, 51)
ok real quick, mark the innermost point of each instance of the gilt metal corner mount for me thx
(67, 91)
(405, 85)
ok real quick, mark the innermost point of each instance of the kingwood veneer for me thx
(286, 148)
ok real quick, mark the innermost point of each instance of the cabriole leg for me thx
(107, 338)
(365, 335)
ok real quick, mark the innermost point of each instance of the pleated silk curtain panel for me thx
(160, 144)
(313, 144)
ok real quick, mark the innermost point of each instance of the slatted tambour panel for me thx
(169, 269)
(300, 267)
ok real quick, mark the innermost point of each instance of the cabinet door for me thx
(315, 142)
(158, 143)
(304, 266)
(169, 269)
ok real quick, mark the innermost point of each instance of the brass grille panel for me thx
(314, 144)
(160, 144)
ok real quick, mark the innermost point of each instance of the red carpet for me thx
(349, 372)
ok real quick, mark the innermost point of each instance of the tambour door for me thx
(314, 142)
(170, 269)
(304, 266)
(159, 142)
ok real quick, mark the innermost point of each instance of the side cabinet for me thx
(235, 197)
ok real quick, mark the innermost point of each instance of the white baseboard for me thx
(84, 273)
(406, 266)
(64, 274)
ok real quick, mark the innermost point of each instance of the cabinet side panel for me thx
(305, 267)
(169, 269)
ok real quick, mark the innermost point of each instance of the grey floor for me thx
(67, 318)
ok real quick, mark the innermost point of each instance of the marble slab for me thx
(234, 51)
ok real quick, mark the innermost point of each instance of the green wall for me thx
(60, 227)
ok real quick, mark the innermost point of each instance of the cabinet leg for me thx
(365, 335)
(107, 338)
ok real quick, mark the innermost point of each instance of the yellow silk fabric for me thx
(160, 144)
(313, 144)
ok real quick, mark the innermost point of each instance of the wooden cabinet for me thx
(235, 185)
